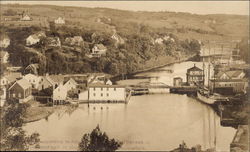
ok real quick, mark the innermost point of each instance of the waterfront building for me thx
(195, 76)
(100, 92)
(229, 82)
(20, 90)
(44, 83)
(178, 81)
(60, 93)
(55, 80)
(70, 84)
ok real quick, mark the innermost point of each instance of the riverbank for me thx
(37, 111)
(154, 64)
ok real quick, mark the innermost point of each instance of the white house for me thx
(60, 93)
(60, 20)
(4, 57)
(9, 79)
(33, 79)
(100, 92)
(4, 41)
(70, 84)
(98, 50)
(34, 38)
(83, 96)
(26, 18)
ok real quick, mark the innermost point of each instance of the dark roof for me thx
(230, 74)
(194, 68)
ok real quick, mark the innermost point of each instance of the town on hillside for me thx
(138, 75)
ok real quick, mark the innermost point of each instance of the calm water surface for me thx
(149, 122)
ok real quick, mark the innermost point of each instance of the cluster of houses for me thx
(224, 82)
(60, 88)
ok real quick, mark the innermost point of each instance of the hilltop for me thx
(184, 25)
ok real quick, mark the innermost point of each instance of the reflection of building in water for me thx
(210, 123)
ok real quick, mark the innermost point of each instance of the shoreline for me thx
(118, 77)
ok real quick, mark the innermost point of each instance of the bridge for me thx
(160, 87)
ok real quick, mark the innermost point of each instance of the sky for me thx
(196, 7)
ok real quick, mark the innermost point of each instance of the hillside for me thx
(184, 25)
(134, 40)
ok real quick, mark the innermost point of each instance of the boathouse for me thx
(195, 76)
(106, 93)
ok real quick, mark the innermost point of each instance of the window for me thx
(19, 95)
(107, 94)
(94, 89)
(107, 89)
(101, 94)
(93, 94)
(101, 89)
(14, 95)
(114, 89)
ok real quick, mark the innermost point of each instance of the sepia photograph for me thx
(124, 75)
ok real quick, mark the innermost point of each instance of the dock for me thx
(154, 88)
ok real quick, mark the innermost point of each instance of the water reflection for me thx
(151, 122)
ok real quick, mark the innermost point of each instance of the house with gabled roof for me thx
(20, 90)
(98, 50)
(33, 79)
(34, 38)
(32, 68)
(233, 81)
(9, 78)
(26, 17)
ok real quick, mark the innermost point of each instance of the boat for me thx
(205, 95)
(210, 99)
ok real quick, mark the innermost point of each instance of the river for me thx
(148, 122)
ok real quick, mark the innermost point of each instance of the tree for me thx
(98, 141)
(12, 136)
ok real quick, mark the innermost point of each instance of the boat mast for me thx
(208, 77)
